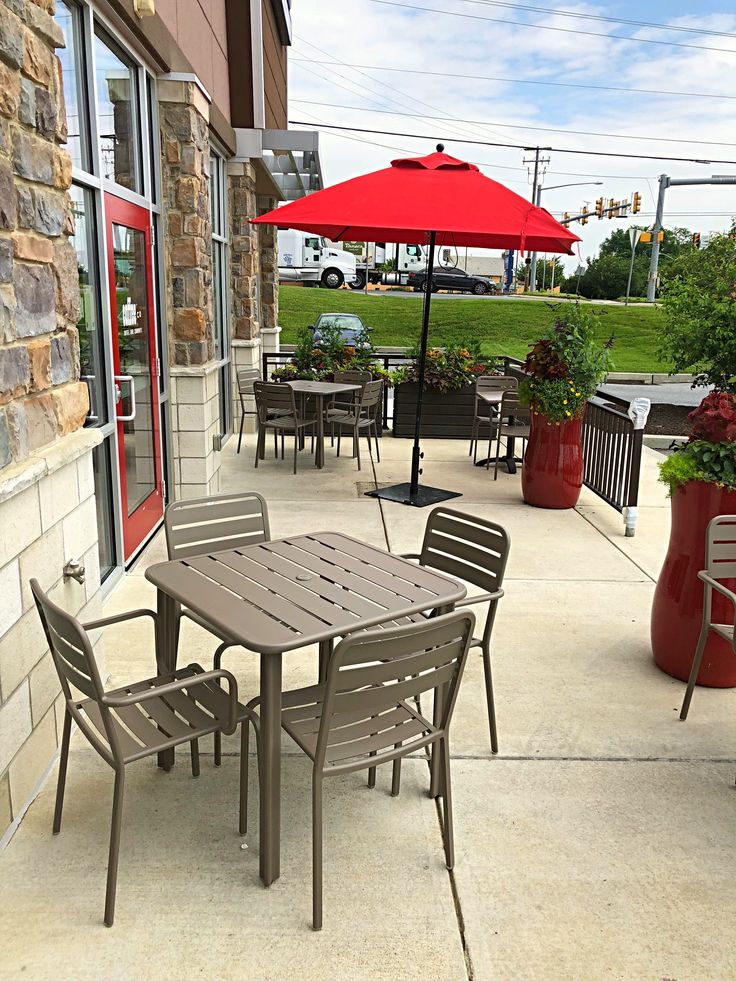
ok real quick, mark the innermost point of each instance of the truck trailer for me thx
(311, 259)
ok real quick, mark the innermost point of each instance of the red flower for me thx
(714, 420)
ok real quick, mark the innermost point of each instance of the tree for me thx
(698, 297)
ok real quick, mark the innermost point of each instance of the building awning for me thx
(287, 160)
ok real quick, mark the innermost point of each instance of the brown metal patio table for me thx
(320, 390)
(286, 594)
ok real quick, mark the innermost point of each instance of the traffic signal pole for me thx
(664, 182)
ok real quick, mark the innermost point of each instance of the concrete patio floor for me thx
(600, 842)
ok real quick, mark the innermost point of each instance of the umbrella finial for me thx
(440, 148)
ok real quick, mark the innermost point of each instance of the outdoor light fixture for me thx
(144, 8)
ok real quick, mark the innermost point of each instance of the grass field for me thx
(502, 326)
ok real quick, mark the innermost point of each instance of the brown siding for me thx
(274, 71)
(240, 66)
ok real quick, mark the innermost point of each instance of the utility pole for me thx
(664, 182)
(536, 197)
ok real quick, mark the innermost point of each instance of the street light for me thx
(538, 203)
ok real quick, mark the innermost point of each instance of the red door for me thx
(130, 274)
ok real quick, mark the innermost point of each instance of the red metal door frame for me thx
(145, 517)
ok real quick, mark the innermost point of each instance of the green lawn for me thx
(502, 326)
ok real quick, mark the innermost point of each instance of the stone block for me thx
(189, 324)
(45, 688)
(85, 476)
(172, 151)
(46, 113)
(32, 760)
(15, 373)
(33, 158)
(8, 197)
(190, 391)
(193, 225)
(39, 356)
(185, 253)
(27, 106)
(10, 600)
(62, 133)
(35, 300)
(6, 814)
(71, 404)
(21, 648)
(9, 91)
(50, 210)
(21, 524)
(66, 276)
(32, 248)
(44, 25)
(41, 420)
(5, 454)
(15, 724)
(187, 192)
(195, 292)
(17, 423)
(58, 496)
(62, 169)
(199, 352)
(11, 38)
(26, 207)
(6, 260)
(80, 529)
(37, 63)
(62, 367)
(178, 120)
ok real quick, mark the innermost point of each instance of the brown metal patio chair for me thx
(278, 410)
(137, 720)
(720, 563)
(360, 716)
(212, 524)
(485, 413)
(514, 422)
(344, 403)
(363, 416)
(475, 550)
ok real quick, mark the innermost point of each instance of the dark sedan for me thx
(452, 279)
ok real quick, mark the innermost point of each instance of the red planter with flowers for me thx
(552, 474)
(702, 481)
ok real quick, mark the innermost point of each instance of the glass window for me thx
(118, 116)
(68, 17)
(101, 464)
(219, 285)
(90, 340)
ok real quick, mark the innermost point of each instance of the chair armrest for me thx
(196, 678)
(479, 598)
(718, 586)
(410, 555)
(119, 617)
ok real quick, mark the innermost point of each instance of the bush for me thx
(710, 455)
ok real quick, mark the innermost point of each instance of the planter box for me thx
(448, 415)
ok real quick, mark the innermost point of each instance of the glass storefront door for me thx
(130, 274)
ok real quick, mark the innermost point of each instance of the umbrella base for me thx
(424, 496)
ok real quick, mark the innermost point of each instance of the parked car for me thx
(352, 329)
(445, 278)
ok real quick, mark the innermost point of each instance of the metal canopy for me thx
(289, 160)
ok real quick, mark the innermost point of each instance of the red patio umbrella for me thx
(437, 200)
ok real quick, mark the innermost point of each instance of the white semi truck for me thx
(371, 256)
(307, 258)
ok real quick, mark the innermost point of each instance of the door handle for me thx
(119, 396)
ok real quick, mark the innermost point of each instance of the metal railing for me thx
(613, 435)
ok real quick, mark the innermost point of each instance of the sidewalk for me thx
(598, 844)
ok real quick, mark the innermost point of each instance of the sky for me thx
(343, 69)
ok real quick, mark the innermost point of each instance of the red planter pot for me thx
(678, 599)
(552, 474)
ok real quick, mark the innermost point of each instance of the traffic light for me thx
(636, 205)
(611, 207)
(565, 217)
(584, 216)
(599, 208)
(696, 240)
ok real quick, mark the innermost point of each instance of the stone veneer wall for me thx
(47, 504)
(195, 412)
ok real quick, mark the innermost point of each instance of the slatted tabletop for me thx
(289, 593)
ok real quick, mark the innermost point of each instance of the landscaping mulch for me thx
(668, 420)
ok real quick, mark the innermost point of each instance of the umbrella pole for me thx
(416, 454)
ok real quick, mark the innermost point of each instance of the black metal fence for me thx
(612, 444)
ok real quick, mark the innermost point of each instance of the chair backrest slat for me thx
(495, 383)
(372, 671)
(511, 406)
(720, 550)
(353, 376)
(466, 547)
(273, 396)
(372, 395)
(246, 377)
(214, 524)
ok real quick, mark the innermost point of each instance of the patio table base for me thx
(422, 497)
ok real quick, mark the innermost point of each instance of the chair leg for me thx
(356, 445)
(259, 439)
(472, 450)
(112, 861)
(375, 434)
(396, 776)
(339, 435)
(195, 757)
(371, 775)
(489, 699)
(243, 817)
(63, 760)
(282, 444)
(216, 664)
(240, 434)
(699, 651)
(296, 447)
(449, 835)
(498, 453)
(316, 852)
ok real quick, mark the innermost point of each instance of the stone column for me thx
(47, 502)
(187, 236)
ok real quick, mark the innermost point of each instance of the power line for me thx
(531, 81)
(600, 17)
(541, 129)
(518, 146)
(557, 30)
